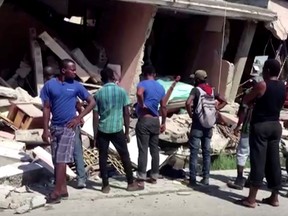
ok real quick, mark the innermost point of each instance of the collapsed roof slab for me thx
(214, 8)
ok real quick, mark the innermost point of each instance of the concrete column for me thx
(140, 55)
(241, 57)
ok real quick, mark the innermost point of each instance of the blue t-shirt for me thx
(153, 94)
(63, 98)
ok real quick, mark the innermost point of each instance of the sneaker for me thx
(81, 184)
(204, 181)
(192, 184)
(105, 189)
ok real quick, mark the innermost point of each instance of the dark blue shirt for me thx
(153, 94)
(63, 98)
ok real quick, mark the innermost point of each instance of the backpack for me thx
(206, 109)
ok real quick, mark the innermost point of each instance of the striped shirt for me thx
(110, 100)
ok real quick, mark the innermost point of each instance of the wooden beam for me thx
(241, 57)
(62, 54)
(36, 59)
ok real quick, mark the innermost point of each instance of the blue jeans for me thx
(199, 137)
(78, 156)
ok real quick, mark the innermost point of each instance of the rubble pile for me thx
(21, 200)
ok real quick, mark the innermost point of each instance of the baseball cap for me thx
(199, 74)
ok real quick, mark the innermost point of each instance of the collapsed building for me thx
(177, 37)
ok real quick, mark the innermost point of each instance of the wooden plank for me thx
(47, 159)
(241, 57)
(30, 110)
(8, 122)
(62, 54)
(37, 60)
(27, 123)
(19, 118)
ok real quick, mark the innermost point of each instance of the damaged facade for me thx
(177, 37)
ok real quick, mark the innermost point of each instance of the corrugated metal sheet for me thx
(214, 8)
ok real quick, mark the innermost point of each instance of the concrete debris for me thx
(37, 201)
(23, 209)
(8, 92)
(20, 199)
(177, 129)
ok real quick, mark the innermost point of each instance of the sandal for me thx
(246, 203)
(269, 202)
(53, 200)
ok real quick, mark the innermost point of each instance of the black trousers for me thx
(264, 142)
(119, 141)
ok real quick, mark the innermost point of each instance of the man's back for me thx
(110, 101)
(153, 94)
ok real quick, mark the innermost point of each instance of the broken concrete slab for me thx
(62, 54)
(46, 158)
(14, 154)
(12, 144)
(8, 92)
(37, 201)
(20, 173)
(29, 136)
(6, 135)
(23, 209)
(177, 129)
(93, 70)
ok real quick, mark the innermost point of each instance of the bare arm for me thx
(222, 102)
(170, 90)
(163, 109)
(257, 91)
(46, 116)
(79, 107)
(126, 117)
(95, 125)
(91, 104)
(189, 104)
(140, 96)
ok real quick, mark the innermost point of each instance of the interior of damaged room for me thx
(124, 36)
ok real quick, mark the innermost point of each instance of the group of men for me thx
(111, 111)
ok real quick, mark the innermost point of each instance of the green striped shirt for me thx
(110, 101)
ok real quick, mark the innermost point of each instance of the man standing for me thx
(49, 73)
(112, 106)
(150, 94)
(59, 97)
(268, 98)
(202, 109)
(243, 150)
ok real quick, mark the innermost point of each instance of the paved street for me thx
(214, 200)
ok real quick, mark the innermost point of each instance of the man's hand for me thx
(127, 137)
(94, 144)
(237, 131)
(162, 128)
(177, 79)
(46, 136)
(82, 122)
(74, 122)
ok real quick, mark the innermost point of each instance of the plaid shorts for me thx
(62, 144)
